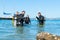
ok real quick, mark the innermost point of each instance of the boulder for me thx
(47, 36)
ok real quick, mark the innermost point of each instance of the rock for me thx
(47, 36)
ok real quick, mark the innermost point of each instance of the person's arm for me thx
(37, 18)
(29, 20)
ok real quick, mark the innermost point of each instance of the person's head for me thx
(23, 12)
(39, 13)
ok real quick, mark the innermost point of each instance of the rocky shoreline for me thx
(47, 36)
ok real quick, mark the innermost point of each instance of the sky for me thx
(48, 8)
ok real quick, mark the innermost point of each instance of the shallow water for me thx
(8, 30)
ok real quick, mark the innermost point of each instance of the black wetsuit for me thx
(41, 19)
(20, 18)
(27, 20)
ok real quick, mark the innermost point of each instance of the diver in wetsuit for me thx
(40, 18)
(27, 19)
(21, 18)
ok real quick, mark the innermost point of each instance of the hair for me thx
(23, 11)
(39, 12)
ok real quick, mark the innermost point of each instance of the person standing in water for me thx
(16, 16)
(27, 19)
(21, 17)
(40, 18)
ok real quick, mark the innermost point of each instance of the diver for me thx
(16, 17)
(21, 18)
(27, 20)
(40, 18)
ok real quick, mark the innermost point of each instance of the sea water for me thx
(9, 31)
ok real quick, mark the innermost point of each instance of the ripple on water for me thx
(28, 32)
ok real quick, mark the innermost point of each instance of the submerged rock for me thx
(47, 36)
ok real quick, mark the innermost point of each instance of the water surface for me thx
(8, 30)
